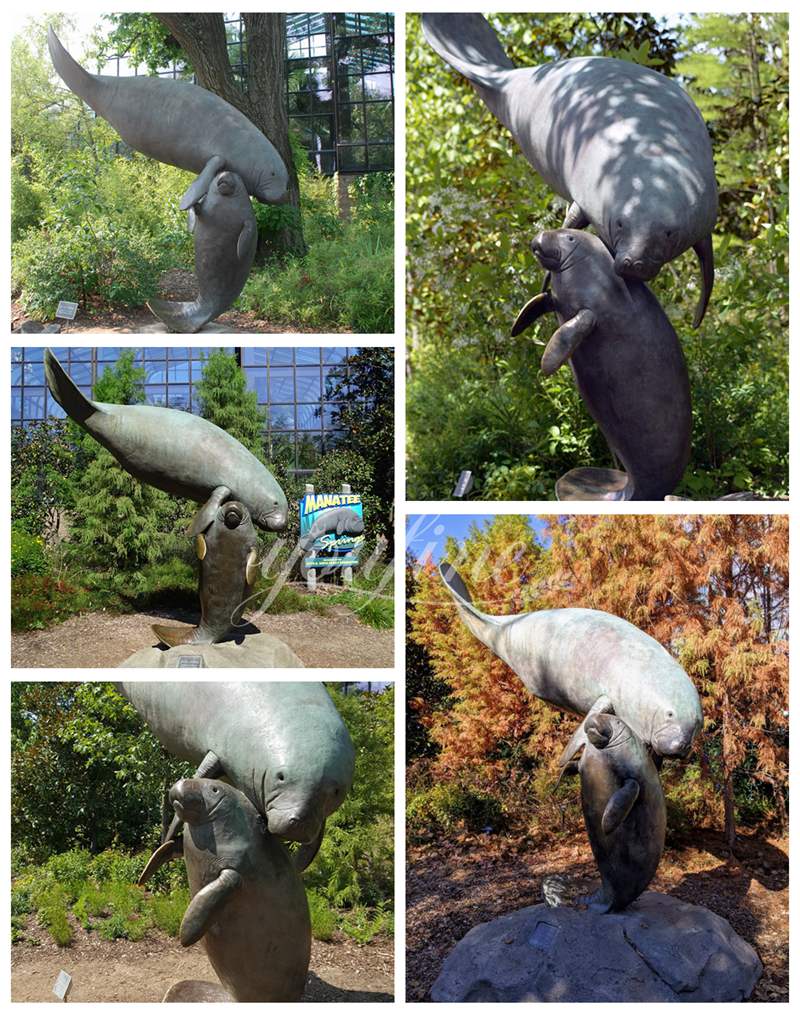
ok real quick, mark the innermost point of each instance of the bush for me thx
(37, 601)
(167, 911)
(52, 912)
(27, 553)
(323, 919)
(445, 807)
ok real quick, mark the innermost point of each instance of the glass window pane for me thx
(352, 159)
(33, 403)
(155, 373)
(280, 356)
(103, 353)
(381, 157)
(155, 395)
(309, 449)
(53, 408)
(34, 355)
(155, 353)
(16, 373)
(17, 354)
(178, 372)
(257, 382)
(379, 121)
(16, 404)
(308, 384)
(308, 417)
(307, 354)
(281, 417)
(333, 354)
(81, 373)
(377, 86)
(281, 384)
(254, 356)
(178, 396)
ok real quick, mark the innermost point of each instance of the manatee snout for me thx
(631, 266)
(673, 740)
(599, 730)
(546, 249)
(194, 801)
(294, 824)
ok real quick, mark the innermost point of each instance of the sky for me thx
(427, 534)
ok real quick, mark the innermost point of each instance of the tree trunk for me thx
(262, 100)
(727, 784)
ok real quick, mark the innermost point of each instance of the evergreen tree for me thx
(225, 400)
(119, 524)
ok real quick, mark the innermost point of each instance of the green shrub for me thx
(323, 919)
(375, 610)
(27, 553)
(70, 869)
(446, 806)
(38, 601)
(52, 912)
(167, 911)
(364, 924)
(27, 201)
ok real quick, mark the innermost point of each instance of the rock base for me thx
(159, 328)
(259, 650)
(658, 950)
(197, 991)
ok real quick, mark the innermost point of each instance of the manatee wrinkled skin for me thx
(179, 123)
(227, 550)
(225, 240)
(626, 145)
(177, 452)
(248, 903)
(283, 744)
(624, 811)
(626, 358)
(586, 661)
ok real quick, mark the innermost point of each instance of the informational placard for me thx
(66, 310)
(61, 987)
(331, 529)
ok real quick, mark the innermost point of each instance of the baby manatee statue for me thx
(178, 452)
(181, 124)
(586, 662)
(624, 810)
(624, 144)
(283, 744)
(225, 240)
(228, 552)
(628, 365)
(248, 902)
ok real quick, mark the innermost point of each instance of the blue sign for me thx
(331, 529)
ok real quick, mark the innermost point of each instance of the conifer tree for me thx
(225, 400)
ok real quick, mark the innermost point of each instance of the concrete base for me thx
(197, 991)
(658, 950)
(259, 650)
(159, 328)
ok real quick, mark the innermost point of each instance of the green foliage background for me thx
(87, 785)
(476, 398)
(96, 223)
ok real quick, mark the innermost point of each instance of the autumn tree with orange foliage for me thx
(712, 589)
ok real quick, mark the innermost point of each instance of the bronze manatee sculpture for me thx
(628, 365)
(181, 124)
(624, 810)
(228, 552)
(178, 452)
(625, 145)
(225, 240)
(283, 744)
(248, 903)
(589, 661)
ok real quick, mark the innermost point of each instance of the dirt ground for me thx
(453, 886)
(176, 284)
(122, 971)
(103, 639)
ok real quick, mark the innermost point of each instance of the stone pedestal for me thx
(259, 650)
(197, 991)
(658, 950)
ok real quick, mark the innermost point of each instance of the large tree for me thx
(201, 40)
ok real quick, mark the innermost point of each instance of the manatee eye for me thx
(619, 223)
(215, 790)
(670, 714)
(668, 233)
(280, 777)
(571, 239)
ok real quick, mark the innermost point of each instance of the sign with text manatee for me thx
(331, 529)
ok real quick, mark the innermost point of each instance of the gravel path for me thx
(102, 639)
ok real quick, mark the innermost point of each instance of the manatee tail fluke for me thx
(468, 43)
(704, 250)
(593, 483)
(75, 77)
(184, 318)
(173, 636)
(484, 627)
(64, 390)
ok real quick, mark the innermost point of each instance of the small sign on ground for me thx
(61, 987)
(66, 310)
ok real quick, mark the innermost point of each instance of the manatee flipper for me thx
(183, 317)
(252, 569)
(210, 769)
(306, 852)
(579, 738)
(704, 250)
(575, 218)
(245, 241)
(205, 514)
(199, 188)
(619, 806)
(468, 43)
(571, 768)
(168, 851)
(566, 339)
(172, 636)
(540, 304)
(66, 393)
(206, 904)
(191, 220)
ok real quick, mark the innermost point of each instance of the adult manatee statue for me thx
(178, 452)
(248, 903)
(628, 365)
(625, 145)
(283, 744)
(588, 662)
(181, 124)
(225, 240)
(624, 810)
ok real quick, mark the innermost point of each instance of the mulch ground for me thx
(468, 880)
(122, 971)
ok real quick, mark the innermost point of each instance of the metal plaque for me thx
(66, 310)
(61, 987)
